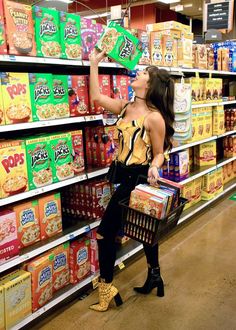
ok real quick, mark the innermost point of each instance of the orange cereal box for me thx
(2, 114)
(27, 218)
(19, 28)
(16, 97)
(61, 271)
(13, 169)
(50, 215)
(41, 280)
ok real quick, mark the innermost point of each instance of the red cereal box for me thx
(94, 251)
(61, 272)
(119, 87)
(41, 277)
(89, 36)
(79, 260)
(105, 89)
(78, 151)
(88, 145)
(9, 244)
(101, 194)
(3, 44)
(78, 95)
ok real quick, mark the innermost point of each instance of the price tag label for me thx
(95, 282)
(71, 236)
(121, 266)
(12, 58)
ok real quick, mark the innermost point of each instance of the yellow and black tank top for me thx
(134, 141)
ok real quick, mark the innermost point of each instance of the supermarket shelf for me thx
(203, 204)
(192, 144)
(198, 173)
(94, 173)
(129, 249)
(38, 60)
(213, 104)
(225, 161)
(47, 123)
(226, 134)
(40, 247)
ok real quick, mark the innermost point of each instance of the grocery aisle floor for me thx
(199, 269)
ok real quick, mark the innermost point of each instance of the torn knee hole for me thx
(99, 236)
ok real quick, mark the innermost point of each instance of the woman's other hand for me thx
(96, 57)
(153, 175)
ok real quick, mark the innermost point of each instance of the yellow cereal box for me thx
(156, 48)
(41, 275)
(2, 311)
(196, 88)
(218, 120)
(208, 186)
(185, 50)
(13, 169)
(50, 215)
(168, 25)
(16, 97)
(61, 271)
(187, 193)
(200, 126)
(229, 172)
(197, 189)
(209, 88)
(2, 113)
(17, 297)
(207, 131)
(27, 218)
(219, 181)
(170, 50)
(205, 154)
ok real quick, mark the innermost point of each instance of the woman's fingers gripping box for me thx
(120, 45)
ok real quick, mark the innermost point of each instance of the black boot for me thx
(153, 280)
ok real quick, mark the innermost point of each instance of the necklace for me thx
(138, 97)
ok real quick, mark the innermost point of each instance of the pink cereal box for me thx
(61, 272)
(9, 244)
(79, 261)
(89, 36)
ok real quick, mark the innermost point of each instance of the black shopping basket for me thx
(145, 228)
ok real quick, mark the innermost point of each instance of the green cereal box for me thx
(61, 155)
(120, 45)
(61, 97)
(70, 31)
(41, 93)
(47, 33)
(38, 162)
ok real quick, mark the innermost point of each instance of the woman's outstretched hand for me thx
(153, 175)
(96, 57)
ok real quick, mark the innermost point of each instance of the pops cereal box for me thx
(16, 97)
(38, 162)
(61, 97)
(89, 36)
(27, 219)
(120, 45)
(13, 169)
(78, 95)
(80, 266)
(78, 151)
(119, 86)
(19, 28)
(47, 33)
(3, 43)
(41, 270)
(61, 272)
(70, 32)
(61, 156)
(50, 215)
(17, 297)
(2, 309)
(42, 99)
(105, 89)
(9, 244)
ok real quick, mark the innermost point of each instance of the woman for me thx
(145, 132)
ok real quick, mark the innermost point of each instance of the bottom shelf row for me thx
(51, 269)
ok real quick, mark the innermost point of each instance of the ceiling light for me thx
(65, 1)
(169, 1)
(188, 5)
(200, 8)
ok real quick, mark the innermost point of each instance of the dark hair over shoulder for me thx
(160, 95)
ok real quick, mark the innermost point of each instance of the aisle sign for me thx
(218, 15)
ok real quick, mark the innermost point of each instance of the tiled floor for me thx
(199, 269)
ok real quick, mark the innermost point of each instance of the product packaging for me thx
(3, 37)
(61, 97)
(78, 95)
(89, 36)
(208, 186)
(205, 154)
(61, 272)
(78, 151)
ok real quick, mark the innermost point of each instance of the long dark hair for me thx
(160, 95)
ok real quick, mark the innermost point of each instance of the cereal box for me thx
(120, 45)
(168, 25)
(41, 270)
(19, 28)
(47, 34)
(207, 131)
(2, 113)
(80, 266)
(100, 197)
(105, 89)
(94, 251)
(38, 162)
(61, 156)
(78, 151)
(70, 31)
(17, 297)
(61, 97)
(3, 44)
(9, 244)
(197, 190)
(50, 215)
(27, 219)
(144, 37)
(156, 48)
(78, 95)
(61, 272)
(13, 169)
(196, 88)
(219, 181)
(42, 99)
(181, 165)
(89, 36)
(170, 50)
(205, 154)
(2, 309)
(201, 59)
(188, 194)
(119, 86)
(208, 186)
(16, 97)
(218, 120)
(185, 51)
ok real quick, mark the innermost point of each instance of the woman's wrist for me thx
(155, 165)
